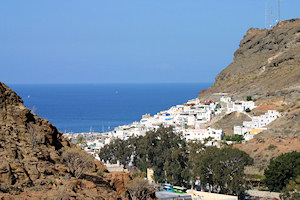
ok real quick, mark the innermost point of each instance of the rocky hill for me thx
(31, 165)
(267, 67)
(266, 61)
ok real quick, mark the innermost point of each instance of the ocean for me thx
(101, 107)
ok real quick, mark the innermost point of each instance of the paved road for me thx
(263, 194)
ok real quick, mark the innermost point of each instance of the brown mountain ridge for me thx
(266, 66)
(31, 165)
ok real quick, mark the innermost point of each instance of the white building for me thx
(204, 115)
(225, 99)
(258, 122)
(202, 134)
(240, 106)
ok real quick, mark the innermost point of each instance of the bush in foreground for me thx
(77, 160)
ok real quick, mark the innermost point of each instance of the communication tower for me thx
(278, 20)
(266, 15)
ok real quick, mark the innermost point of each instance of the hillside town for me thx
(192, 119)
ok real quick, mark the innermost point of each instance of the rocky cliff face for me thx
(31, 166)
(267, 67)
(266, 61)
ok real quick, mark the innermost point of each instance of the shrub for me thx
(236, 138)
(249, 98)
(262, 167)
(137, 188)
(81, 140)
(272, 147)
(100, 173)
(78, 161)
(280, 110)
(35, 136)
(248, 110)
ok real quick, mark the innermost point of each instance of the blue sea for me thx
(84, 107)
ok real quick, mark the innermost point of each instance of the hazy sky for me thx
(113, 41)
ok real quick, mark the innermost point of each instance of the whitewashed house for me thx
(202, 134)
(225, 99)
(257, 123)
(240, 106)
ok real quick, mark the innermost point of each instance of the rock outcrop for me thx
(31, 166)
(267, 61)
(267, 67)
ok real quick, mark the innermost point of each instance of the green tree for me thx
(194, 148)
(292, 190)
(223, 169)
(204, 166)
(165, 151)
(176, 168)
(281, 170)
(249, 98)
(248, 110)
(119, 150)
(81, 140)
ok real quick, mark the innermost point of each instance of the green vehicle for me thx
(178, 189)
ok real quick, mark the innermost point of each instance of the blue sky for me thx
(125, 41)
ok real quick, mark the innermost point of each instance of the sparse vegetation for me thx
(100, 173)
(249, 98)
(261, 168)
(137, 188)
(272, 147)
(235, 138)
(35, 138)
(62, 193)
(78, 161)
(81, 140)
(256, 176)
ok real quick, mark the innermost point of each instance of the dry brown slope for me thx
(267, 67)
(266, 61)
(30, 171)
(227, 122)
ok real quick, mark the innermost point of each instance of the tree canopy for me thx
(222, 169)
(119, 150)
(282, 170)
(180, 163)
(165, 151)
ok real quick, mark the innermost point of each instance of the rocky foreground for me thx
(31, 165)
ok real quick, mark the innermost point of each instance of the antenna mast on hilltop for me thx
(278, 11)
(271, 17)
(266, 15)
